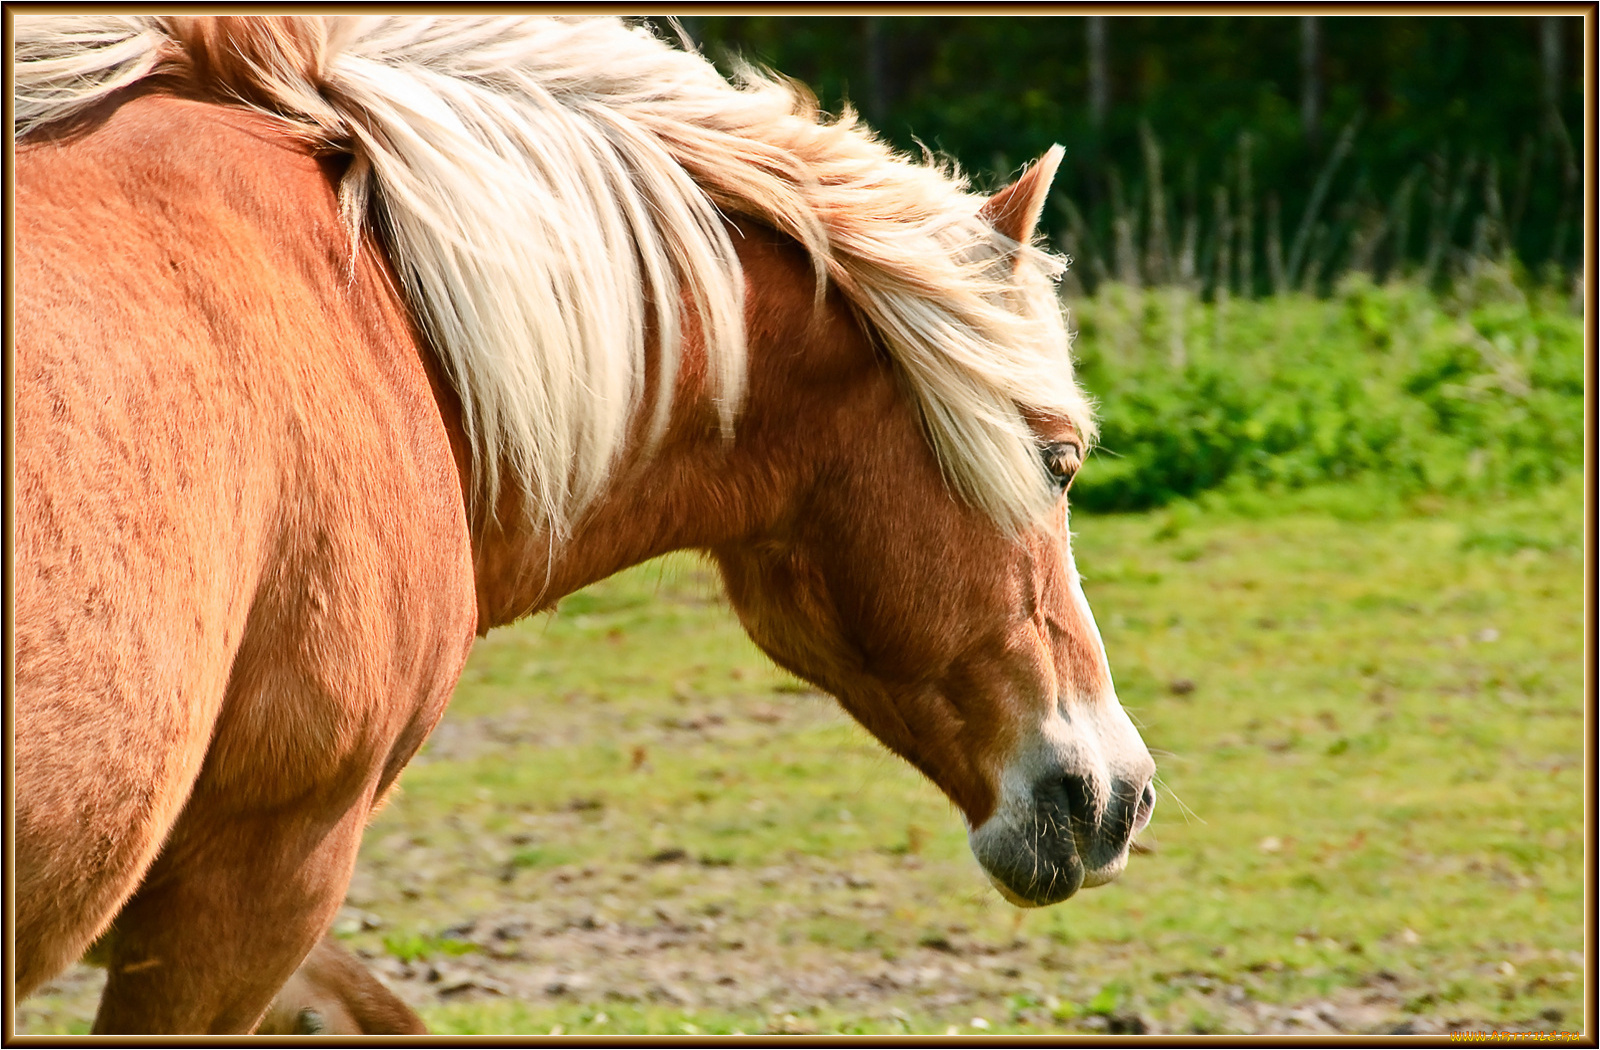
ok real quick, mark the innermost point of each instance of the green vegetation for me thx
(1481, 392)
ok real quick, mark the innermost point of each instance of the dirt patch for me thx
(666, 932)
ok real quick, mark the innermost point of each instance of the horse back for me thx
(243, 571)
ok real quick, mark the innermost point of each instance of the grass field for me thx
(1371, 740)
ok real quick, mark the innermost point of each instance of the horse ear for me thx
(1014, 211)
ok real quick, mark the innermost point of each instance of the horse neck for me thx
(810, 372)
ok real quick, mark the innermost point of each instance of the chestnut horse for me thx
(342, 341)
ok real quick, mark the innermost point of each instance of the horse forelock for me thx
(541, 181)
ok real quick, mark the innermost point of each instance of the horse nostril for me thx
(1147, 804)
(1079, 792)
(1070, 799)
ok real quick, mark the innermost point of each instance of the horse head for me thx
(965, 646)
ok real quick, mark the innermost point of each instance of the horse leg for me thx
(95, 799)
(333, 993)
(230, 909)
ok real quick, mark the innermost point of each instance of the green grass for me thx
(1375, 781)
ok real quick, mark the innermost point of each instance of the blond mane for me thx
(541, 181)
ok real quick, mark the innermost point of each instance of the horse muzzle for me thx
(1067, 814)
(1074, 837)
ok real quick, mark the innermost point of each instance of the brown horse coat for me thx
(287, 593)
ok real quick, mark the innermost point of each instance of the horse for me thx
(342, 341)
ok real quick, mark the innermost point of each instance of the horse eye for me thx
(1062, 459)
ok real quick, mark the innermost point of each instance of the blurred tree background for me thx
(1252, 154)
(1305, 250)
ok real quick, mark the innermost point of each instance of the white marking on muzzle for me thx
(1058, 792)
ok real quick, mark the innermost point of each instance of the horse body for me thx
(254, 540)
(261, 639)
